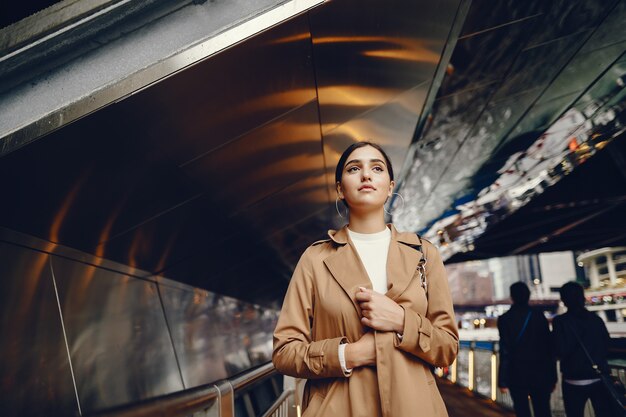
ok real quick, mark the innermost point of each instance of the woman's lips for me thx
(367, 187)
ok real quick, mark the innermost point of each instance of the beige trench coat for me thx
(320, 311)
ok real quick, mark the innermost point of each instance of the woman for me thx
(358, 320)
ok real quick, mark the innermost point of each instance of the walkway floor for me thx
(461, 403)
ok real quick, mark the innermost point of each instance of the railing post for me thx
(471, 383)
(226, 399)
(494, 371)
(453, 371)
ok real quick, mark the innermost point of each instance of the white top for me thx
(373, 249)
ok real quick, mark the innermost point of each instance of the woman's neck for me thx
(368, 222)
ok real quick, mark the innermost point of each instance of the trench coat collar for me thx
(348, 270)
(341, 236)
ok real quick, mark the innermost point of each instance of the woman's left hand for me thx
(379, 311)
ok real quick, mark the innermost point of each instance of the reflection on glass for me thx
(575, 137)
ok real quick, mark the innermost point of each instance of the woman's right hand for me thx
(361, 352)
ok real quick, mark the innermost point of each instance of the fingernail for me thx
(362, 288)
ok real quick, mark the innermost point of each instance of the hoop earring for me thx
(401, 198)
(337, 208)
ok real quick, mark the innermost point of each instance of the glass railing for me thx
(476, 368)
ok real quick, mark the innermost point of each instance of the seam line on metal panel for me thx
(512, 22)
(169, 332)
(67, 346)
(247, 132)
(149, 219)
(505, 137)
(427, 199)
(433, 89)
(319, 111)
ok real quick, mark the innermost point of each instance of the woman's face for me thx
(365, 183)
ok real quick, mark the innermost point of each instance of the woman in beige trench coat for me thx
(389, 340)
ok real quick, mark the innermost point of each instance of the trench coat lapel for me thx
(348, 270)
(402, 262)
(346, 267)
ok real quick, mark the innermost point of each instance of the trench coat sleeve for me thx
(433, 338)
(295, 353)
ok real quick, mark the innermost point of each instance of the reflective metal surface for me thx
(507, 84)
(35, 377)
(218, 175)
(129, 339)
(215, 336)
(215, 177)
(184, 160)
(117, 336)
(373, 72)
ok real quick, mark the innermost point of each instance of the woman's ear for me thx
(392, 185)
(339, 192)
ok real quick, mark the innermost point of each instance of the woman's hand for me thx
(362, 352)
(379, 311)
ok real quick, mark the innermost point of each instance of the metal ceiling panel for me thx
(611, 30)
(486, 57)
(287, 207)
(216, 269)
(533, 171)
(367, 54)
(455, 177)
(262, 162)
(583, 70)
(582, 211)
(90, 182)
(272, 167)
(607, 85)
(501, 13)
(391, 125)
(563, 18)
(537, 66)
(517, 81)
(249, 266)
(543, 113)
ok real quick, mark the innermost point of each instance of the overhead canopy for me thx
(215, 169)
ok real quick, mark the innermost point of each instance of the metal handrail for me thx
(187, 402)
(280, 401)
(249, 378)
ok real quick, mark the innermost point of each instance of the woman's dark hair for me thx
(519, 293)
(572, 295)
(344, 157)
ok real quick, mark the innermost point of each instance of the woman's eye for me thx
(379, 169)
(352, 169)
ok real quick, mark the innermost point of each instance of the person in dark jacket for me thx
(580, 380)
(527, 365)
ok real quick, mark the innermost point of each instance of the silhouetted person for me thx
(527, 365)
(580, 380)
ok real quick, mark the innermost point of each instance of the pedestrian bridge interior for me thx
(166, 164)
